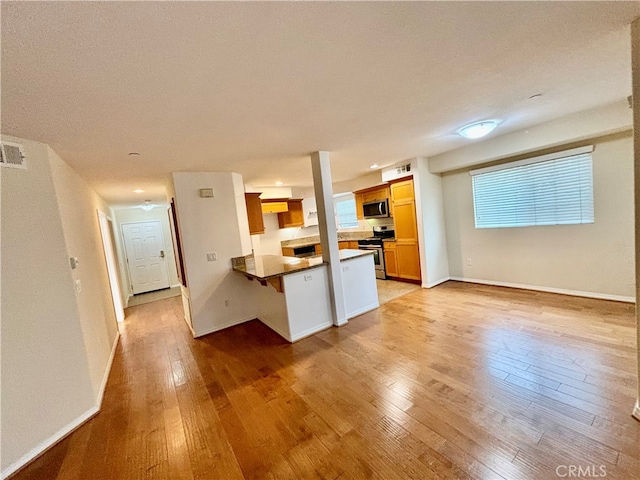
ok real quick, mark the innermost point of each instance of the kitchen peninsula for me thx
(294, 299)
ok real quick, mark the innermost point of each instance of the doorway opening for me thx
(108, 245)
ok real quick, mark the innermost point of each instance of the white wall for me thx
(79, 207)
(49, 371)
(136, 214)
(594, 258)
(219, 225)
(431, 222)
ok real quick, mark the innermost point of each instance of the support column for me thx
(321, 169)
(635, 74)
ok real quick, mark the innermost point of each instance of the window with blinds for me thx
(555, 189)
(346, 215)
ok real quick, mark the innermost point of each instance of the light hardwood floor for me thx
(460, 381)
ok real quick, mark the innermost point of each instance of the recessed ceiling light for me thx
(374, 166)
(137, 190)
(279, 183)
(478, 129)
(134, 154)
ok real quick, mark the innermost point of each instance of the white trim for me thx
(362, 310)
(311, 331)
(49, 442)
(636, 410)
(175, 285)
(562, 291)
(70, 427)
(105, 379)
(528, 161)
(277, 330)
(437, 282)
(223, 326)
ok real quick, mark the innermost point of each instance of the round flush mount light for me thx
(279, 183)
(374, 166)
(147, 205)
(478, 129)
(138, 190)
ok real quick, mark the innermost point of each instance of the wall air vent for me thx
(403, 169)
(12, 155)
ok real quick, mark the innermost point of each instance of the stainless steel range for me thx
(375, 243)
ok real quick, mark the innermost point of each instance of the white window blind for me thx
(346, 215)
(554, 189)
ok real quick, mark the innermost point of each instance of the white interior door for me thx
(144, 247)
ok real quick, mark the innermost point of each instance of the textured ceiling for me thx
(255, 87)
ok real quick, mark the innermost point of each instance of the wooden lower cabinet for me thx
(390, 259)
(343, 245)
(287, 252)
(318, 249)
(408, 259)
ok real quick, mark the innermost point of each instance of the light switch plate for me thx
(212, 257)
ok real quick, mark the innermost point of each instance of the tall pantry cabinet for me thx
(404, 213)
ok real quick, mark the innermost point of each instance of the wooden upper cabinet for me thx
(275, 205)
(254, 213)
(294, 216)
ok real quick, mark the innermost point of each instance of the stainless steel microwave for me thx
(376, 209)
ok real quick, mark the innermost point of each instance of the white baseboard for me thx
(636, 410)
(105, 378)
(70, 427)
(284, 335)
(562, 291)
(223, 326)
(437, 282)
(360, 311)
(311, 331)
(49, 442)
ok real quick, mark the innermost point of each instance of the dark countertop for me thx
(264, 267)
(347, 254)
(315, 239)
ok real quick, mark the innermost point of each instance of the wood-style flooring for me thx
(460, 381)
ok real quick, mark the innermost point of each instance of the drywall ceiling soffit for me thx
(255, 87)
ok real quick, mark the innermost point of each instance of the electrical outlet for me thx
(308, 278)
(345, 268)
(469, 261)
(212, 257)
(226, 303)
(78, 286)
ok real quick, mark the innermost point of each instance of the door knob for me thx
(161, 253)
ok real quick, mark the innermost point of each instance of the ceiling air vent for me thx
(12, 155)
(403, 169)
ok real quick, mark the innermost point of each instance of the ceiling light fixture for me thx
(478, 129)
(138, 190)
(374, 166)
(279, 183)
(147, 205)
